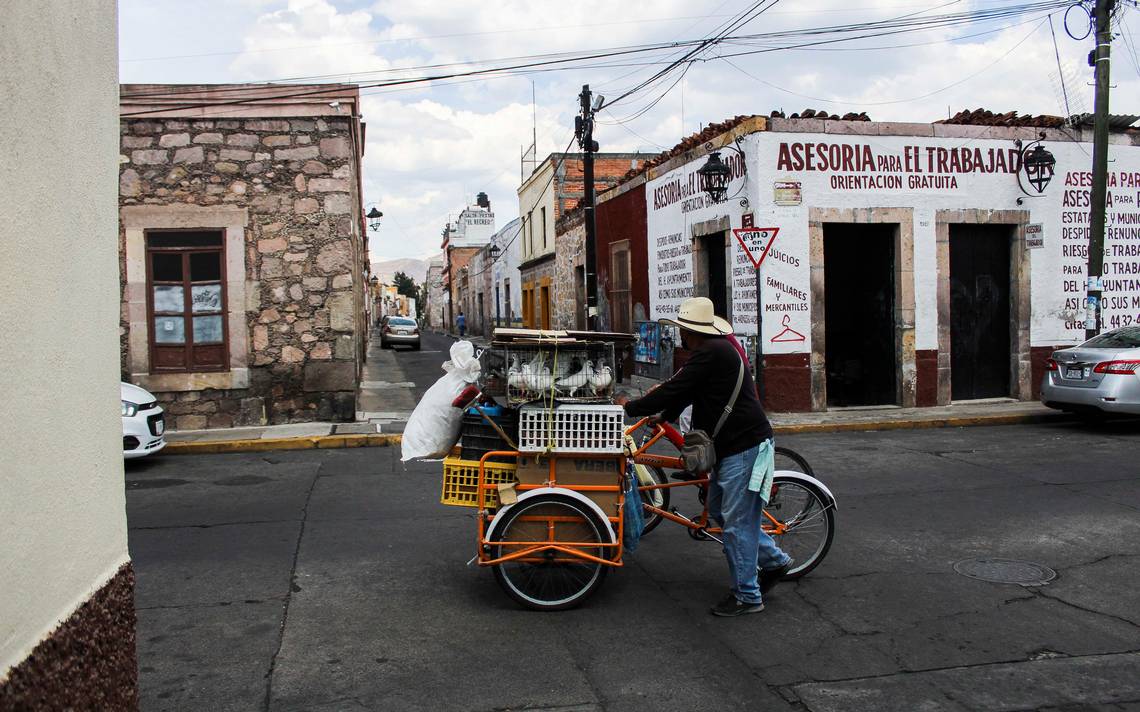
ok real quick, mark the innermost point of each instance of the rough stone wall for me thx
(298, 179)
(569, 253)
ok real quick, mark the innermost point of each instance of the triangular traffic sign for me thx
(756, 242)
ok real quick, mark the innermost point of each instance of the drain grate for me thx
(1022, 573)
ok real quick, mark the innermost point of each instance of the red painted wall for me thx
(623, 218)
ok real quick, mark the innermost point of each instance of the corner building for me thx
(914, 264)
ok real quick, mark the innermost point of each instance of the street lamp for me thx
(374, 216)
(715, 175)
(494, 251)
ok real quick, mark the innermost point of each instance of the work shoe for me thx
(685, 476)
(731, 606)
(770, 577)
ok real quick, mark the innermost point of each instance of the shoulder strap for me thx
(732, 401)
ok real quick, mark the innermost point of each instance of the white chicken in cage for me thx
(516, 377)
(573, 382)
(601, 379)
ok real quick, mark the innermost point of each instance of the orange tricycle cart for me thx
(544, 466)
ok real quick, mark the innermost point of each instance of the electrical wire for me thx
(892, 101)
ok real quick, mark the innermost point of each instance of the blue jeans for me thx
(740, 514)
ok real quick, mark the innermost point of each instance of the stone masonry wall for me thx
(297, 177)
(569, 253)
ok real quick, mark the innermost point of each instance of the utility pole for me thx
(584, 130)
(1100, 62)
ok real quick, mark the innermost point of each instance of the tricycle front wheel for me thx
(545, 578)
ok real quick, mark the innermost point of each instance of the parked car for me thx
(143, 422)
(400, 330)
(1102, 375)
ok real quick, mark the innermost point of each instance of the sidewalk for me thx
(380, 431)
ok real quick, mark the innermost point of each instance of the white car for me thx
(143, 422)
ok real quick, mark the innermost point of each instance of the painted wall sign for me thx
(921, 181)
(1034, 237)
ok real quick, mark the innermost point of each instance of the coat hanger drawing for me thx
(788, 335)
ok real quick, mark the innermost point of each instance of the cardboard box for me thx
(570, 471)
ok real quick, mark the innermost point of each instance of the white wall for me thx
(509, 240)
(62, 517)
(1057, 269)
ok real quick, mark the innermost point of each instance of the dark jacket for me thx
(706, 381)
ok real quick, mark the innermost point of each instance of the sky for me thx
(431, 147)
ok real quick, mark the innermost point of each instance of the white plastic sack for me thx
(434, 426)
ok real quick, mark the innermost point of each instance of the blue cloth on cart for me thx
(633, 516)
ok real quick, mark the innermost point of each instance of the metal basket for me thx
(569, 373)
(572, 428)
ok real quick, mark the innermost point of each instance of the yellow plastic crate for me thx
(461, 481)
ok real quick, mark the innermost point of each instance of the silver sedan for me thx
(1102, 375)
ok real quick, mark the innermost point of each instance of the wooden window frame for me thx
(618, 289)
(187, 313)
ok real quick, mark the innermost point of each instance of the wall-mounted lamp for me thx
(374, 216)
(715, 175)
(1038, 166)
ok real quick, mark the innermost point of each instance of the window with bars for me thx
(186, 300)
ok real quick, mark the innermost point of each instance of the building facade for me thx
(906, 264)
(505, 285)
(67, 607)
(462, 241)
(435, 306)
(554, 188)
(243, 252)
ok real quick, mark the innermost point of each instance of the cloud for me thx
(432, 147)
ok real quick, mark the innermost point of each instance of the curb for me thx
(330, 442)
(313, 442)
(921, 424)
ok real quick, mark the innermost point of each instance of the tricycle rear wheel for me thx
(551, 580)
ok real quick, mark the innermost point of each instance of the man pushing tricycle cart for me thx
(563, 486)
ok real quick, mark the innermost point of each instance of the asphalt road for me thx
(334, 580)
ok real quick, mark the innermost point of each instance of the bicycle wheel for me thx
(807, 515)
(788, 459)
(658, 498)
(550, 580)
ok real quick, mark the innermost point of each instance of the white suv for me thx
(143, 423)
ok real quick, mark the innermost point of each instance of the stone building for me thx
(243, 251)
(504, 273)
(570, 271)
(555, 187)
(435, 296)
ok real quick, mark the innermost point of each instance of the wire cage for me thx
(580, 372)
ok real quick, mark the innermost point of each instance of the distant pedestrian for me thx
(461, 323)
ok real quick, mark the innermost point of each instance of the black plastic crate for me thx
(478, 438)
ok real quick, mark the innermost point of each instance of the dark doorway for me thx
(979, 311)
(715, 269)
(859, 293)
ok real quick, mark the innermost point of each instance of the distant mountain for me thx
(416, 269)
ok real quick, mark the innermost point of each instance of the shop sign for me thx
(1034, 236)
(788, 192)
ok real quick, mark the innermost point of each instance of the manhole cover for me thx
(1023, 573)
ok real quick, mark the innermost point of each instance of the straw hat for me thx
(696, 314)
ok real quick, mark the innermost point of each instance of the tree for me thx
(407, 286)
